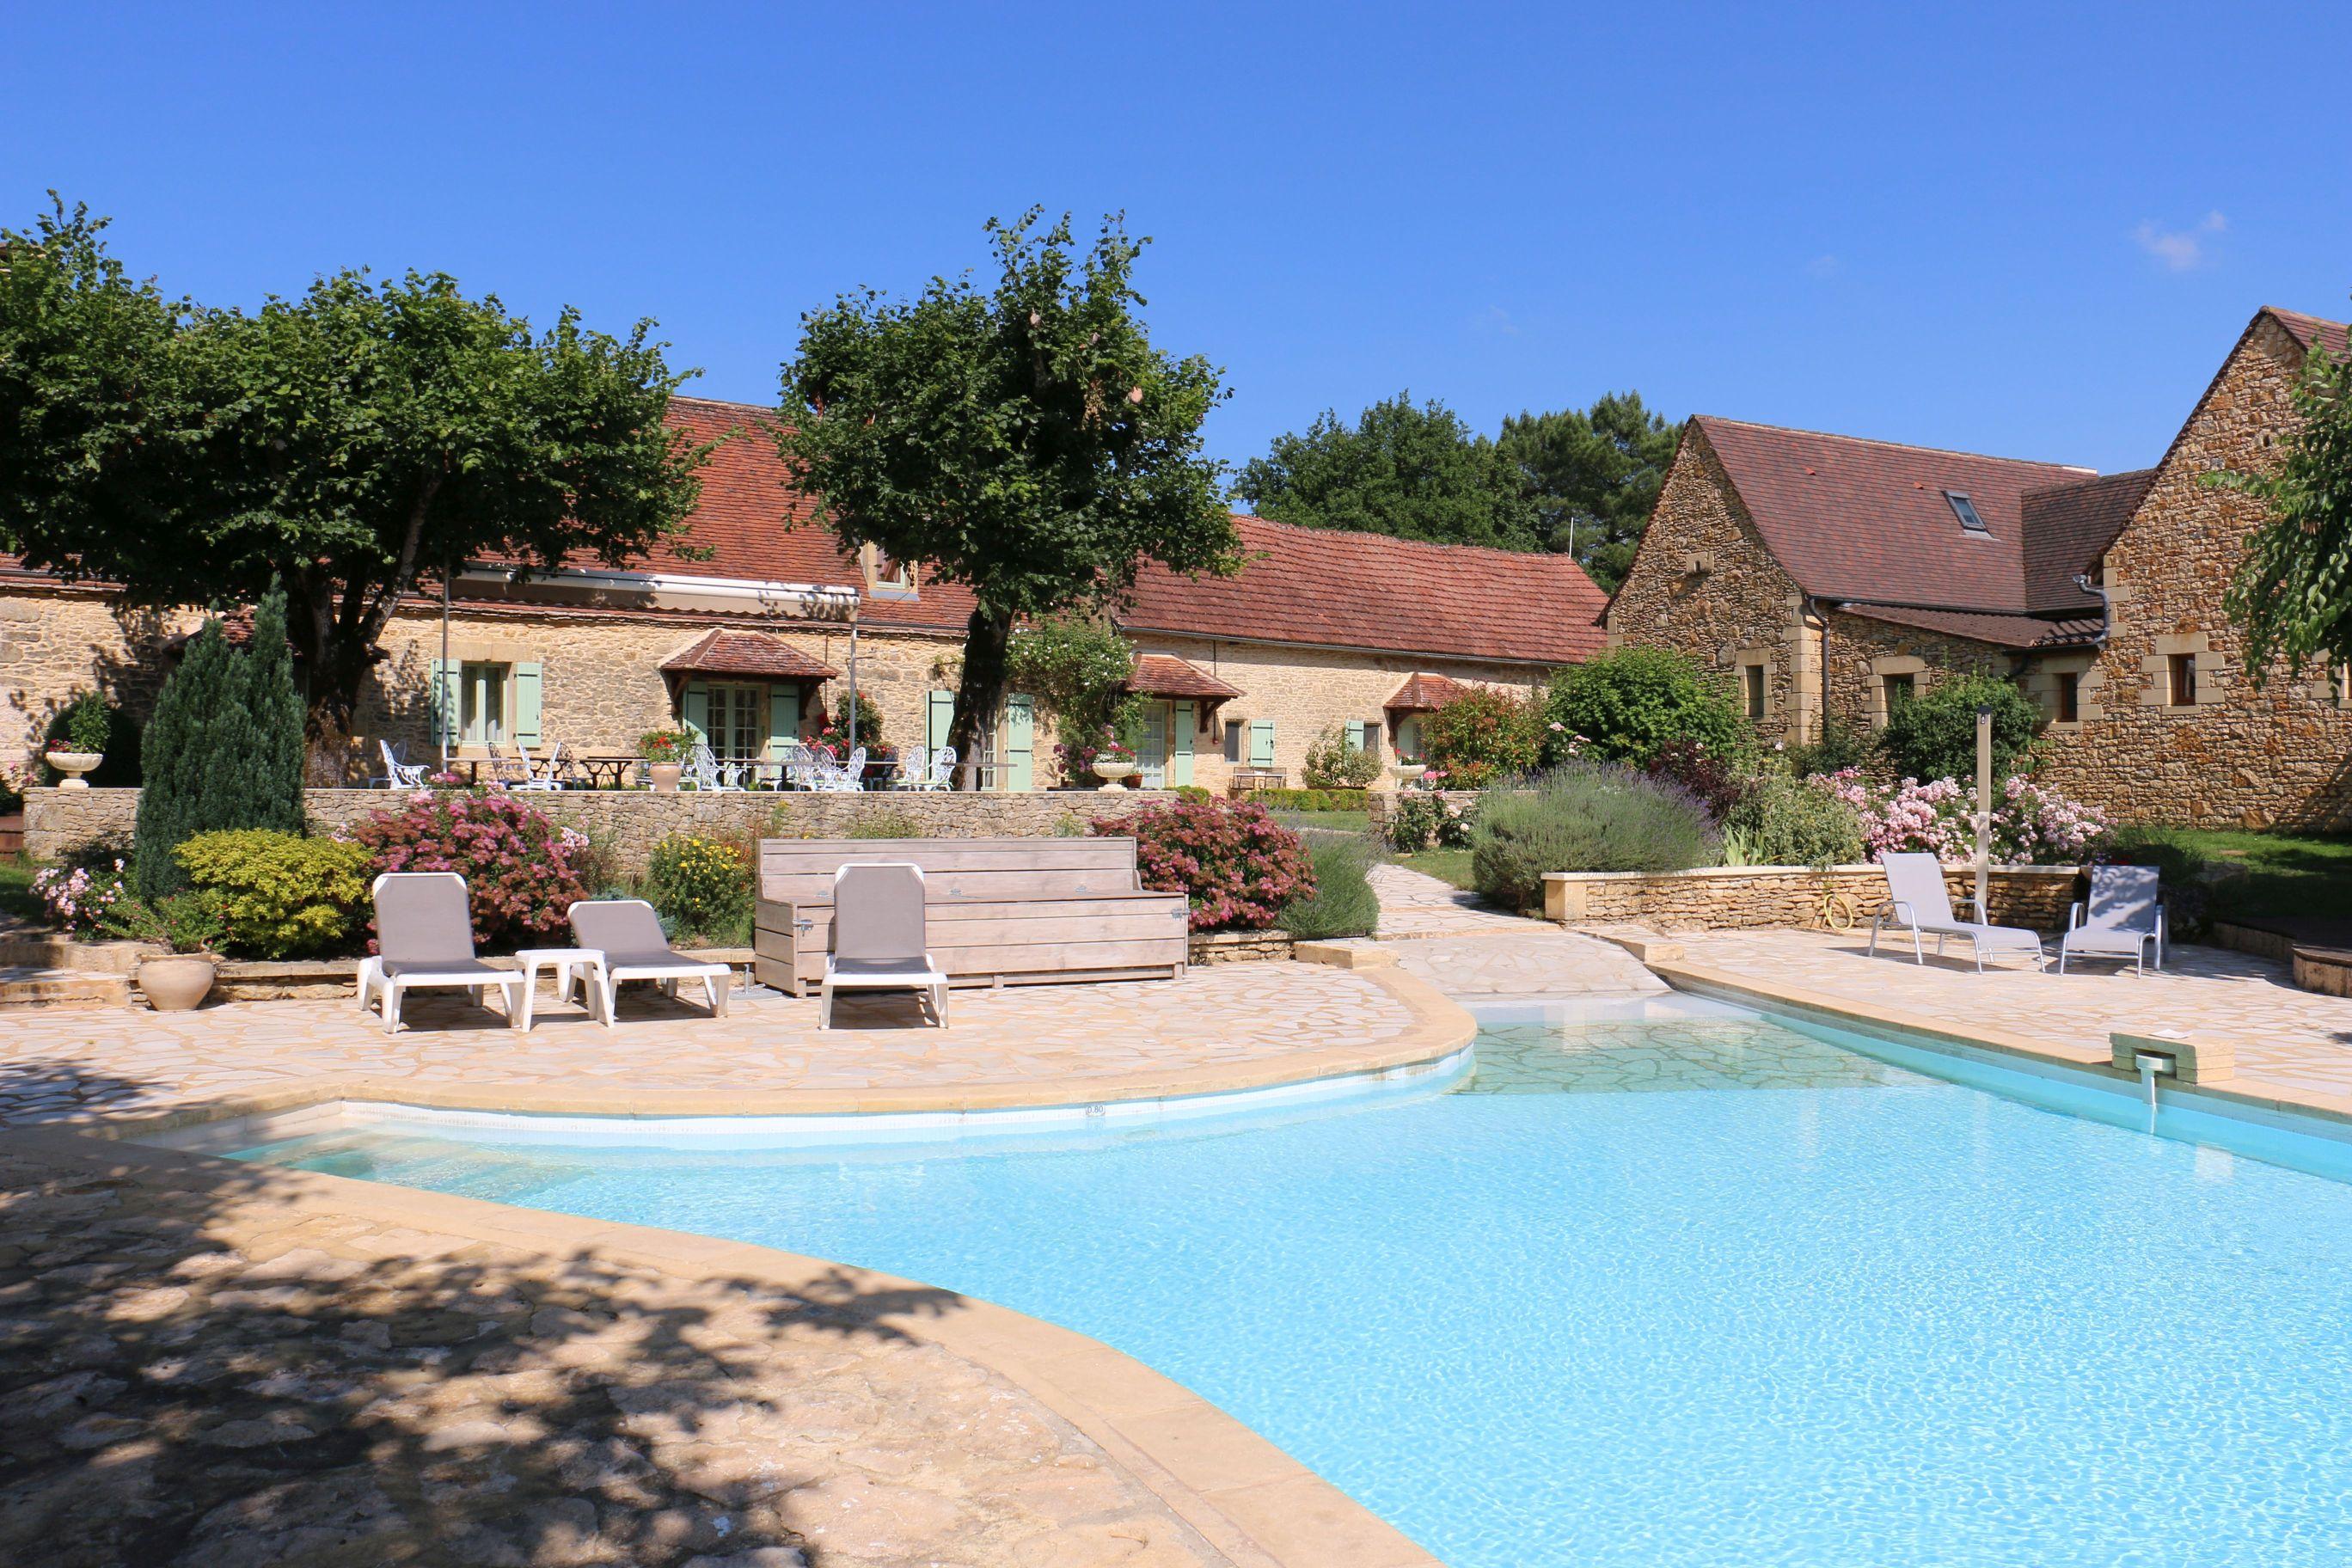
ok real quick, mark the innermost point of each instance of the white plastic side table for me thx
(572, 966)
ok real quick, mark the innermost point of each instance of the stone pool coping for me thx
(1251, 1501)
(1664, 959)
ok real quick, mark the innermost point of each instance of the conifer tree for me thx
(273, 792)
(175, 758)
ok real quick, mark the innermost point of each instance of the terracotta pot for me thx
(665, 776)
(73, 765)
(176, 984)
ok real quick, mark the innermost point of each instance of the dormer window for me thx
(887, 578)
(1966, 511)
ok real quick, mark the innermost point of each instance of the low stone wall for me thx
(1239, 946)
(633, 821)
(1380, 803)
(1752, 897)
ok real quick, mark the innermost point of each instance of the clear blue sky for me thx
(2030, 229)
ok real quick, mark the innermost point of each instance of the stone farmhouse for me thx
(746, 645)
(1832, 575)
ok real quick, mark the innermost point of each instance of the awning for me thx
(1164, 675)
(754, 656)
(1424, 693)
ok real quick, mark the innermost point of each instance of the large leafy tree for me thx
(344, 443)
(1027, 442)
(1594, 474)
(2293, 593)
(1407, 468)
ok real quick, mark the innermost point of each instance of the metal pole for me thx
(442, 684)
(1984, 808)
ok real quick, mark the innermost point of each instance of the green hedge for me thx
(1312, 799)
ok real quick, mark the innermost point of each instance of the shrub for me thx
(1623, 705)
(84, 723)
(1307, 799)
(2031, 824)
(1784, 821)
(665, 745)
(870, 720)
(1839, 747)
(89, 724)
(890, 822)
(1343, 902)
(280, 895)
(1078, 666)
(1233, 863)
(1586, 817)
(518, 864)
(2184, 870)
(1933, 734)
(1332, 764)
(87, 888)
(1480, 736)
(181, 922)
(702, 885)
(1193, 793)
(1423, 820)
(1704, 774)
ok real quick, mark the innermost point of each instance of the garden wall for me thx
(633, 821)
(1752, 897)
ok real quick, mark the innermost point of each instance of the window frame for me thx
(2176, 666)
(484, 684)
(1755, 691)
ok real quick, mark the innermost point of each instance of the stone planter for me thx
(1112, 773)
(73, 765)
(178, 983)
(1405, 772)
(665, 776)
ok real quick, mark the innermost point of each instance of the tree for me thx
(1934, 735)
(271, 779)
(1412, 471)
(1624, 705)
(1028, 443)
(342, 444)
(2291, 596)
(1594, 474)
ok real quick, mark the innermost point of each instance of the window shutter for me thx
(527, 697)
(939, 718)
(443, 700)
(693, 710)
(1180, 745)
(1355, 734)
(1020, 743)
(1261, 743)
(783, 719)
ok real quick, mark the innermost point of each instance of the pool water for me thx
(1665, 1284)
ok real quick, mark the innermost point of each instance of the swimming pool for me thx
(1666, 1283)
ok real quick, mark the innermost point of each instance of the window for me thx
(481, 703)
(1966, 511)
(2183, 682)
(887, 578)
(738, 728)
(1751, 677)
(2067, 699)
(1896, 689)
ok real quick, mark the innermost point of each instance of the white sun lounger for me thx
(629, 934)
(425, 937)
(878, 937)
(1918, 902)
(2126, 919)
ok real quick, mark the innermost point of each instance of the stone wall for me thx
(2281, 756)
(1861, 652)
(1748, 898)
(1704, 584)
(632, 822)
(59, 641)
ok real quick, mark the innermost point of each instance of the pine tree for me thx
(175, 757)
(274, 792)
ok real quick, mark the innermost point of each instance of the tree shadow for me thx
(203, 1365)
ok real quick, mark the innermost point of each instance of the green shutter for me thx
(1180, 745)
(694, 709)
(526, 703)
(1020, 743)
(783, 719)
(443, 702)
(1261, 743)
(939, 719)
(1355, 734)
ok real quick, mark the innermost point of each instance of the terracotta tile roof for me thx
(751, 653)
(1986, 626)
(1326, 588)
(1164, 675)
(2310, 329)
(1852, 519)
(1424, 693)
(2068, 528)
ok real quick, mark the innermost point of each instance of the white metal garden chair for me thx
(544, 776)
(706, 771)
(399, 774)
(920, 773)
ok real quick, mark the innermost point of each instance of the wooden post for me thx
(1984, 812)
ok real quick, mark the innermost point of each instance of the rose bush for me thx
(1233, 863)
(523, 871)
(2031, 824)
(1481, 736)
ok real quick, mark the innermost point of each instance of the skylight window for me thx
(1966, 511)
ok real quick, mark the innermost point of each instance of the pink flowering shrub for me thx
(1235, 863)
(89, 894)
(2031, 824)
(524, 871)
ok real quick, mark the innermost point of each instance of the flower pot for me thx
(73, 765)
(178, 983)
(1405, 772)
(665, 776)
(1111, 773)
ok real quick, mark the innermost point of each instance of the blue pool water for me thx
(1678, 1289)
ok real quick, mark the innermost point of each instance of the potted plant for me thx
(186, 926)
(665, 754)
(1405, 770)
(1113, 760)
(83, 745)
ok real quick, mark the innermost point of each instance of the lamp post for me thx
(1984, 806)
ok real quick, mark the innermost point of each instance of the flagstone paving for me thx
(2294, 1040)
(1416, 904)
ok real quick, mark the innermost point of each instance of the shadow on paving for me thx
(183, 1383)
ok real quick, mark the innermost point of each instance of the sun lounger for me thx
(629, 934)
(1918, 902)
(878, 939)
(425, 937)
(2124, 920)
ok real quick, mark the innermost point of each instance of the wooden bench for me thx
(1000, 911)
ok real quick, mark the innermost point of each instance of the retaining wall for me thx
(633, 821)
(1751, 896)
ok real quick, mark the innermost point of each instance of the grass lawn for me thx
(1446, 865)
(2283, 874)
(1329, 821)
(17, 889)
